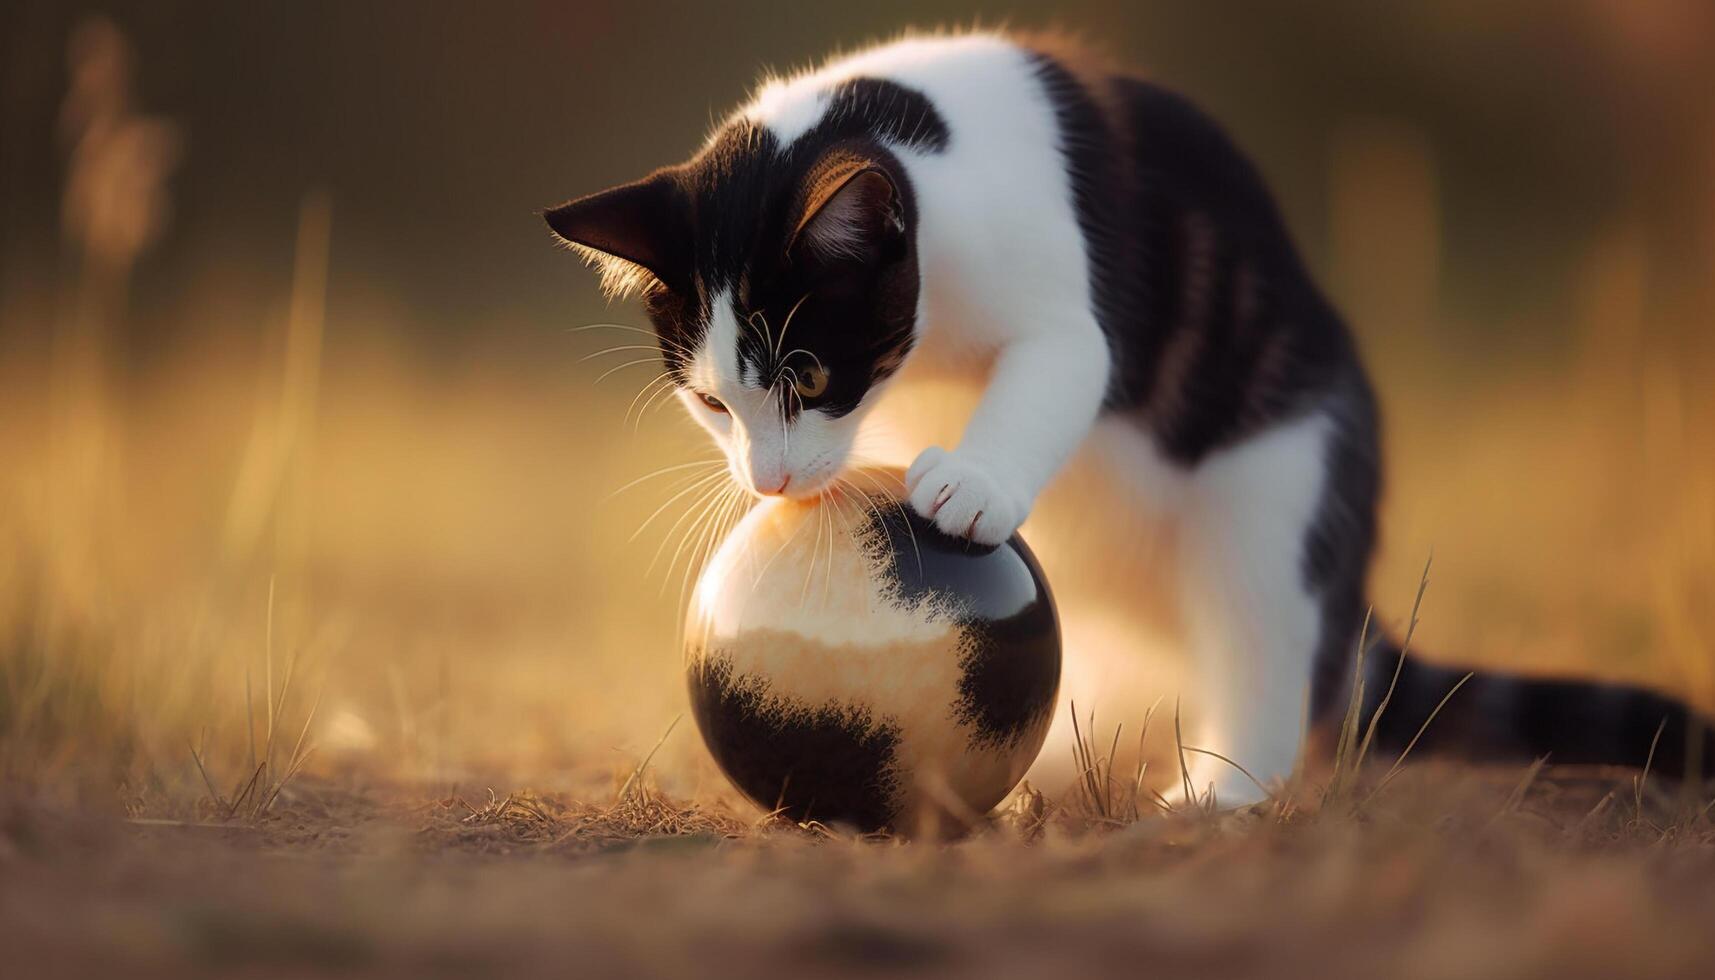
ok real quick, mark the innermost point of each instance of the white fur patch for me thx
(761, 445)
(791, 106)
(1251, 621)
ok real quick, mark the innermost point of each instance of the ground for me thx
(1445, 873)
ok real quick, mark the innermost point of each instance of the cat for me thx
(1060, 293)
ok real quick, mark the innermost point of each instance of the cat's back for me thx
(978, 85)
(974, 126)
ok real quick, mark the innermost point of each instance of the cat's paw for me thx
(964, 497)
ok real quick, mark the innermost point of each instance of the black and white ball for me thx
(850, 664)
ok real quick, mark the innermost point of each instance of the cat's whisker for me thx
(704, 502)
(785, 431)
(705, 496)
(648, 385)
(777, 553)
(629, 327)
(787, 326)
(655, 401)
(731, 500)
(651, 348)
(836, 496)
(688, 520)
(650, 396)
(701, 481)
(857, 498)
(706, 543)
(895, 502)
(628, 364)
(665, 382)
(828, 573)
(809, 354)
(850, 490)
(741, 504)
(697, 468)
(816, 539)
(839, 497)
(663, 471)
(740, 507)
(673, 536)
(752, 320)
(873, 465)
(665, 343)
(791, 391)
(877, 472)
(611, 326)
(866, 504)
(662, 347)
(823, 527)
(815, 553)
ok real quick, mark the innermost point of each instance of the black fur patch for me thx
(1502, 717)
(1216, 329)
(827, 762)
(736, 205)
(1340, 542)
(876, 109)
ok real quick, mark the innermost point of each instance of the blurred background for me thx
(299, 445)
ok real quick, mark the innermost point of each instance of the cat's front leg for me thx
(1040, 403)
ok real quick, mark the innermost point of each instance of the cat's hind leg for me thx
(1252, 619)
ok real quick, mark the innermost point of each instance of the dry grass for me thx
(1451, 873)
(536, 822)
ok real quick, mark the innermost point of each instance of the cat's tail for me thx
(1495, 717)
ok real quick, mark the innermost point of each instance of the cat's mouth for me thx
(815, 479)
(808, 488)
(800, 487)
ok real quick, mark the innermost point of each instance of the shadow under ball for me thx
(850, 664)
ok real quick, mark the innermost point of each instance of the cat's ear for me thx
(851, 210)
(632, 234)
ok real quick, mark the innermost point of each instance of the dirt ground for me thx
(1447, 873)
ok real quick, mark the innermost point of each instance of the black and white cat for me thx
(1060, 294)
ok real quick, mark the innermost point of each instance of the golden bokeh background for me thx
(289, 376)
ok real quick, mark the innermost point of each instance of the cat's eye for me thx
(812, 382)
(715, 404)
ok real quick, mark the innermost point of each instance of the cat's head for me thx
(782, 283)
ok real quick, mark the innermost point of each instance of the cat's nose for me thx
(774, 491)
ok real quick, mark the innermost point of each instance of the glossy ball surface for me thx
(850, 664)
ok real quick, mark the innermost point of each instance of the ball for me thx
(850, 664)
